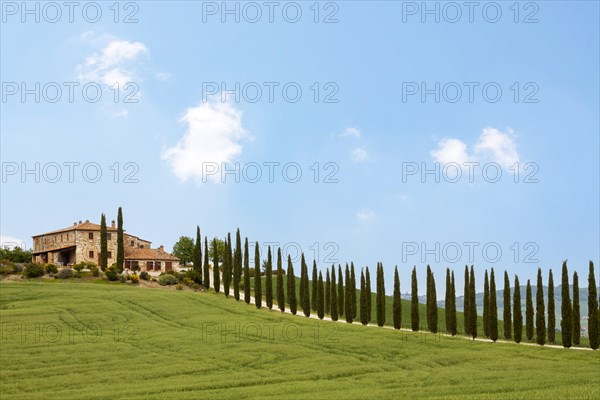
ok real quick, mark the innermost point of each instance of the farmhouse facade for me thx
(81, 242)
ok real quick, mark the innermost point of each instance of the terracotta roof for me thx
(148, 254)
(84, 226)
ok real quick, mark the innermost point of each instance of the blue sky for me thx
(369, 62)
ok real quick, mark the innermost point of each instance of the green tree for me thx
(184, 250)
(551, 310)
(280, 293)
(447, 303)
(348, 297)
(327, 292)
(466, 307)
(313, 299)
(334, 299)
(593, 321)
(486, 305)
(518, 316)
(340, 288)
(320, 297)
(414, 302)
(220, 246)
(206, 280)
(103, 244)
(197, 255)
(291, 287)
(528, 312)
(246, 272)
(237, 265)
(380, 296)
(472, 305)
(566, 324)
(363, 299)
(432, 311)
(368, 289)
(120, 242)
(540, 311)
(397, 308)
(227, 266)
(576, 312)
(304, 288)
(352, 291)
(507, 319)
(216, 274)
(257, 278)
(493, 309)
(269, 280)
(452, 307)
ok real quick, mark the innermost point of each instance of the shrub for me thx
(134, 278)
(111, 274)
(167, 279)
(7, 267)
(50, 268)
(95, 271)
(145, 275)
(194, 276)
(64, 273)
(181, 276)
(179, 286)
(33, 270)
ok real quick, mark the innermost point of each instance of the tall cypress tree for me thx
(518, 316)
(269, 280)
(320, 297)
(493, 309)
(486, 305)
(528, 312)
(327, 292)
(433, 311)
(303, 279)
(197, 255)
(206, 268)
(340, 288)
(540, 311)
(305, 296)
(237, 266)
(414, 302)
(380, 296)
(566, 324)
(593, 323)
(216, 274)
(291, 287)
(103, 244)
(466, 307)
(246, 272)
(472, 305)
(334, 299)
(428, 307)
(369, 297)
(121, 242)
(447, 303)
(506, 305)
(551, 310)
(363, 299)
(452, 307)
(280, 293)
(576, 313)
(227, 266)
(257, 277)
(313, 299)
(397, 308)
(348, 297)
(352, 291)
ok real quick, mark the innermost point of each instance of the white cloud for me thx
(492, 145)
(353, 132)
(365, 215)
(12, 242)
(163, 76)
(214, 131)
(359, 155)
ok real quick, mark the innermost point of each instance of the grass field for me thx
(98, 341)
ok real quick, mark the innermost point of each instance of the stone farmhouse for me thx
(81, 242)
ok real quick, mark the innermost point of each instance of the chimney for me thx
(112, 223)
(80, 221)
(87, 221)
(75, 223)
(161, 248)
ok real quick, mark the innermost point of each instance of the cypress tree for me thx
(246, 272)
(369, 297)
(593, 323)
(313, 302)
(380, 296)
(269, 280)
(320, 297)
(452, 307)
(486, 305)
(121, 242)
(540, 312)
(206, 268)
(227, 265)
(414, 302)
(327, 292)
(340, 288)
(551, 310)
(576, 313)
(466, 307)
(493, 309)
(397, 309)
(216, 275)
(363, 299)
(280, 293)
(305, 296)
(291, 287)
(348, 300)
(518, 316)
(257, 277)
(472, 305)
(428, 308)
(197, 255)
(433, 311)
(352, 291)
(302, 279)
(237, 266)
(528, 313)
(566, 324)
(103, 244)
(334, 299)
(506, 305)
(447, 303)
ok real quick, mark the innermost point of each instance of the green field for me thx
(99, 341)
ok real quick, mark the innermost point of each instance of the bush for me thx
(33, 270)
(64, 273)
(181, 276)
(50, 268)
(145, 275)
(134, 278)
(95, 271)
(167, 279)
(111, 274)
(194, 276)
(179, 286)
(7, 267)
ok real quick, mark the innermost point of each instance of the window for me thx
(141, 246)
(91, 235)
(110, 254)
(91, 254)
(128, 264)
(149, 265)
(136, 265)
(157, 265)
(132, 243)
(108, 236)
(168, 265)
